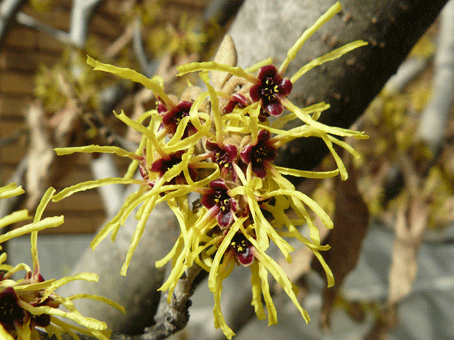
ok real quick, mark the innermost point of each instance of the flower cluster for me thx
(31, 302)
(221, 145)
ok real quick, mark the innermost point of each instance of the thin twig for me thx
(407, 71)
(29, 21)
(124, 39)
(81, 14)
(174, 316)
(147, 67)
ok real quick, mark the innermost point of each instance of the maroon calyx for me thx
(171, 119)
(242, 249)
(164, 164)
(259, 154)
(225, 156)
(269, 90)
(221, 205)
(236, 100)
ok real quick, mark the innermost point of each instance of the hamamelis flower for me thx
(224, 156)
(217, 199)
(31, 302)
(241, 249)
(171, 118)
(260, 154)
(269, 89)
(239, 246)
(220, 144)
(164, 164)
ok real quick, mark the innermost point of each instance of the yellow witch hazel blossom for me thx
(220, 144)
(31, 302)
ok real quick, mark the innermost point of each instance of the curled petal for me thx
(274, 109)
(267, 71)
(260, 154)
(217, 198)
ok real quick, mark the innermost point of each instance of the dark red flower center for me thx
(42, 320)
(224, 157)
(222, 200)
(260, 154)
(217, 196)
(269, 89)
(242, 249)
(9, 309)
(172, 118)
(162, 165)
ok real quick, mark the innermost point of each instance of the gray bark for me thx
(269, 28)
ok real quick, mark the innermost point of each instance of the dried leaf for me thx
(409, 232)
(226, 55)
(69, 119)
(411, 222)
(351, 219)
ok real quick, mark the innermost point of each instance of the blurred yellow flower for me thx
(31, 302)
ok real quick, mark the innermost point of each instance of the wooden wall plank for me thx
(20, 37)
(16, 83)
(13, 105)
(74, 224)
(18, 61)
(9, 154)
(58, 17)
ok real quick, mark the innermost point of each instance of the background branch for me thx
(8, 9)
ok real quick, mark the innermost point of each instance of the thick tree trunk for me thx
(266, 28)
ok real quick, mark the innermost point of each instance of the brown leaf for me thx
(409, 232)
(410, 224)
(351, 219)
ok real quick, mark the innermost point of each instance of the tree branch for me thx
(174, 316)
(392, 27)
